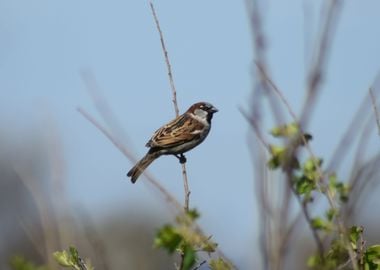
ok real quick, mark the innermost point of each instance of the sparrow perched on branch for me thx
(177, 137)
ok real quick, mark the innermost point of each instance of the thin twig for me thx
(255, 128)
(186, 188)
(360, 153)
(48, 222)
(259, 47)
(351, 132)
(344, 265)
(262, 87)
(365, 175)
(103, 107)
(265, 209)
(291, 112)
(376, 111)
(96, 241)
(170, 74)
(174, 99)
(199, 265)
(320, 57)
(279, 93)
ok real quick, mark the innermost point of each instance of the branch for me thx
(170, 74)
(315, 76)
(174, 99)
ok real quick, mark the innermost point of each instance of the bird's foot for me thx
(181, 158)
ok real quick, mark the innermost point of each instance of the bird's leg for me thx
(181, 158)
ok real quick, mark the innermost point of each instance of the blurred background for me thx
(63, 182)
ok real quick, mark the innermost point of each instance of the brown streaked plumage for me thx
(177, 137)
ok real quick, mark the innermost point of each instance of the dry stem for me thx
(174, 99)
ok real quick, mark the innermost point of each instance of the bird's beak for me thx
(214, 110)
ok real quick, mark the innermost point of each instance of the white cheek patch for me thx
(201, 116)
(200, 113)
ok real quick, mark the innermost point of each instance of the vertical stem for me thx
(170, 74)
(186, 188)
(174, 99)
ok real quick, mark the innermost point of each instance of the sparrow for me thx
(177, 137)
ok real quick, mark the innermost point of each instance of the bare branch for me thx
(256, 129)
(350, 134)
(174, 99)
(170, 74)
(103, 106)
(315, 76)
(279, 93)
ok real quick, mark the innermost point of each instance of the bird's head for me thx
(203, 110)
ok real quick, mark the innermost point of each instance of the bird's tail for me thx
(138, 169)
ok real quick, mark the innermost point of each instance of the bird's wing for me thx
(181, 130)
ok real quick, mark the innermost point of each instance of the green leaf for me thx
(287, 131)
(343, 190)
(331, 213)
(313, 261)
(355, 233)
(333, 180)
(276, 150)
(304, 186)
(219, 264)
(335, 186)
(310, 168)
(71, 259)
(189, 257)
(372, 255)
(74, 254)
(209, 246)
(320, 224)
(168, 238)
(193, 214)
(63, 258)
(278, 153)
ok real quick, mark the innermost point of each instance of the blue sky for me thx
(45, 44)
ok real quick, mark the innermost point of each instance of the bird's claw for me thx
(181, 158)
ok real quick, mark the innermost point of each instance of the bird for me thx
(177, 137)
